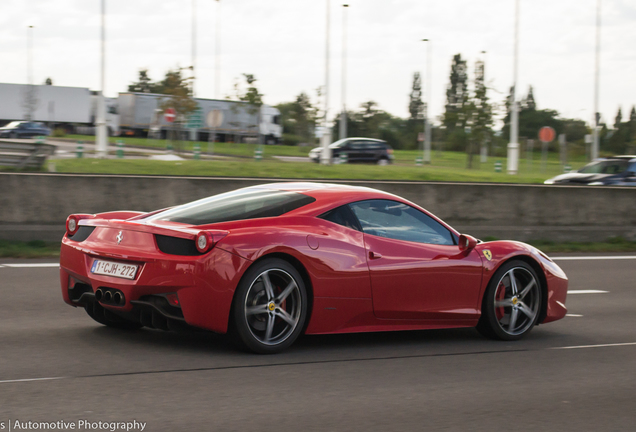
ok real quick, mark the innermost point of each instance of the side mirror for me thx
(467, 242)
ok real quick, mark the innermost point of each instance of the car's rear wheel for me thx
(383, 161)
(270, 307)
(108, 318)
(511, 303)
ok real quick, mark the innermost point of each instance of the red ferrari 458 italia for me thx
(267, 263)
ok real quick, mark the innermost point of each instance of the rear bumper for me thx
(204, 284)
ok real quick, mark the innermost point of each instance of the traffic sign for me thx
(547, 134)
(169, 114)
(214, 119)
(195, 119)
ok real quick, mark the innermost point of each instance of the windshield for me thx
(337, 143)
(612, 166)
(13, 124)
(236, 205)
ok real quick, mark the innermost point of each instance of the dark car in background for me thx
(24, 129)
(357, 150)
(613, 171)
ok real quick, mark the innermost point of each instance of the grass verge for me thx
(277, 169)
(32, 249)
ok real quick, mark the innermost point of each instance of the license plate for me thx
(109, 268)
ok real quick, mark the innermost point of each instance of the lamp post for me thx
(217, 51)
(325, 156)
(194, 42)
(343, 114)
(427, 123)
(513, 146)
(30, 93)
(102, 136)
(597, 115)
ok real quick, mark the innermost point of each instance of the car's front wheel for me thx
(270, 307)
(512, 302)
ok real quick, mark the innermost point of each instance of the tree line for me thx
(467, 124)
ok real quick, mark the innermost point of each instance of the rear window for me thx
(237, 205)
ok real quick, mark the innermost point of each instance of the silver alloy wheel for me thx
(516, 301)
(273, 306)
(383, 162)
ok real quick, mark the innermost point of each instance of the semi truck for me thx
(237, 121)
(56, 106)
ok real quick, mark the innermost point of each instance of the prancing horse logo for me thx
(120, 237)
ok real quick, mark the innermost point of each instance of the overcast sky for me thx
(282, 42)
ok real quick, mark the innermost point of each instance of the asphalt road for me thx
(57, 364)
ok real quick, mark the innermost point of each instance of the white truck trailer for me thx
(56, 106)
(239, 121)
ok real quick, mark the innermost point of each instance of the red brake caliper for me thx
(501, 293)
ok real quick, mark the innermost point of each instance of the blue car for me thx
(24, 129)
(613, 171)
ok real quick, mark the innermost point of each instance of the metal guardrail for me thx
(23, 153)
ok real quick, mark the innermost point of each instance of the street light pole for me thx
(427, 123)
(597, 115)
(325, 157)
(343, 114)
(102, 138)
(217, 52)
(194, 42)
(30, 89)
(513, 146)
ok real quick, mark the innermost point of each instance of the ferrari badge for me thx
(488, 254)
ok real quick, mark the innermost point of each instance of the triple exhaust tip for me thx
(107, 296)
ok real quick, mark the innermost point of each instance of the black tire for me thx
(107, 318)
(270, 307)
(13, 135)
(512, 302)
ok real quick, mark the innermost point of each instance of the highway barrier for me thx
(35, 205)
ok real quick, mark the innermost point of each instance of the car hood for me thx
(578, 178)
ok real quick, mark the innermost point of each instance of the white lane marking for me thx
(596, 346)
(573, 315)
(31, 379)
(31, 265)
(593, 258)
(587, 292)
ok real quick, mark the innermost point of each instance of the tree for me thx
(416, 106)
(632, 124)
(457, 96)
(299, 119)
(144, 84)
(528, 103)
(178, 92)
(481, 113)
(618, 119)
(530, 118)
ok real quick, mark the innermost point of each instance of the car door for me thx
(417, 270)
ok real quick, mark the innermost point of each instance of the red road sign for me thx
(169, 114)
(547, 134)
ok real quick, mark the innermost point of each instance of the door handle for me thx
(374, 255)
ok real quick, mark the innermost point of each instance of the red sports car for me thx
(267, 263)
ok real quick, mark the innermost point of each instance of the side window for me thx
(394, 220)
(342, 216)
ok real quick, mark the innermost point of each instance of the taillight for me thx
(72, 223)
(206, 240)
